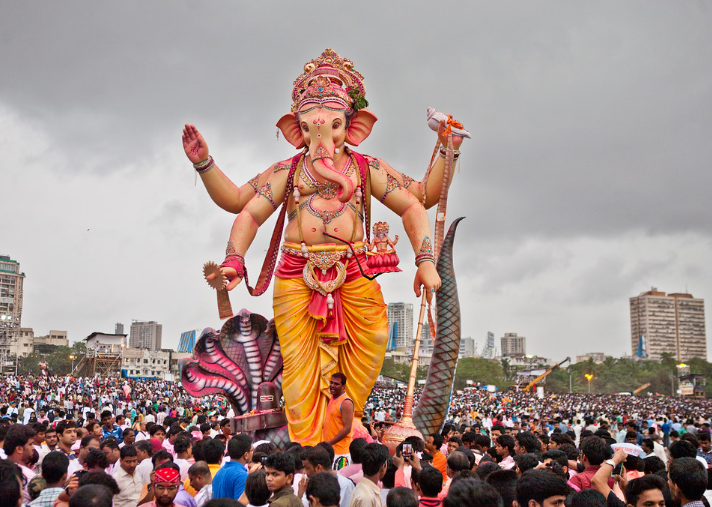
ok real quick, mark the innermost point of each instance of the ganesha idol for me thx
(329, 317)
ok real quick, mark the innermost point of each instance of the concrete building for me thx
(598, 357)
(46, 344)
(673, 323)
(144, 363)
(145, 335)
(176, 358)
(467, 347)
(529, 361)
(11, 282)
(28, 343)
(426, 340)
(25, 342)
(513, 345)
(402, 313)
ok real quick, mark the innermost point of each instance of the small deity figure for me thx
(384, 259)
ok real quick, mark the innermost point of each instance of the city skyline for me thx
(586, 180)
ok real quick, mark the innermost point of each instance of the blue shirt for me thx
(115, 432)
(229, 482)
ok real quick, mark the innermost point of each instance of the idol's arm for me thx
(416, 225)
(246, 224)
(433, 184)
(221, 189)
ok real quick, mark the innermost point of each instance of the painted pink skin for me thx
(301, 130)
(324, 130)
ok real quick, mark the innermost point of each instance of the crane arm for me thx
(544, 375)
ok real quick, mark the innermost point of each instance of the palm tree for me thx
(506, 368)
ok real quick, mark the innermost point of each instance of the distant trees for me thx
(611, 376)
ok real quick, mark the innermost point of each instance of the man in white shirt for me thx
(27, 413)
(201, 480)
(144, 451)
(318, 459)
(374, 461)
(127, 479)
(183, 449)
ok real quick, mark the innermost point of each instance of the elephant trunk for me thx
(432, 408)
(323, 161)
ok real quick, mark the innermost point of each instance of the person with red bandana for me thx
(166, 482)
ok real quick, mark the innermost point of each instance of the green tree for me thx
(484, 371)
(401, 371)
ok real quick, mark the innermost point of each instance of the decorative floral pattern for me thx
(327, 190)
(254, 182)
(391, 185)
(266, 192)
(407, 180)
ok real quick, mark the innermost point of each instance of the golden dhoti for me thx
(311, 356)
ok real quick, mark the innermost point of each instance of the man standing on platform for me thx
(337, 430)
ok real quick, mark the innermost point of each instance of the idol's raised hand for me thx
(456, 140)
(196, 149)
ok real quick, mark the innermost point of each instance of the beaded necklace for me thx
(321, 213)
(326, 216)
(311, 182)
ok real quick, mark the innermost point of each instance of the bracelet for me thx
(443, 152)
(204, 165)
(423, 258)
(236, 262)
(426, 252)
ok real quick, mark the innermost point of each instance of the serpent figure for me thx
(432, 408)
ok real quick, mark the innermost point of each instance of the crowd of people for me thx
(67, 442)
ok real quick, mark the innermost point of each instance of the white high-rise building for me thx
(146, 335)
(402, 314)
(673, 323)
(513, 345)
(467, 347)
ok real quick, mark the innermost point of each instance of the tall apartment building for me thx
(513, 345)
(673, 323)
(11, 280)
(145, 335)
(402, 313)
(467, 347)
(426, 340)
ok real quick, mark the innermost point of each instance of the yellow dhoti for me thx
(310, 359)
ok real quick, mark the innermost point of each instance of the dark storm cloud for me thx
(590, 122)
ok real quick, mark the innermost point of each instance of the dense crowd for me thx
(82, 442)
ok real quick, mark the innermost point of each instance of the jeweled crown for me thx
(329, 76)
(380, 227)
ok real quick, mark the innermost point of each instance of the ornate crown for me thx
(329, 78)
(380, 227)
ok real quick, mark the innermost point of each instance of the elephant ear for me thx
(360, 127)
(289, 125)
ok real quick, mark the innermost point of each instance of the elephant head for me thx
(325, 128)
(328, 110)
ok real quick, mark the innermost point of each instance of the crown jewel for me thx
(329, 77)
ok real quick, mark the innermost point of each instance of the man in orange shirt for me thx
(432, 445)
(337, 430)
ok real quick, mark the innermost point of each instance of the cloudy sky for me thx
(587, 180)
